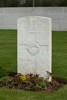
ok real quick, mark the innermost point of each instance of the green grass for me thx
(8, 51)
(6, 94)
(59, 52)
(8, 63)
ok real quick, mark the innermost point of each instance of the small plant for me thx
(31, 82)
(4, 80)
(43, 84)
(23, 78)
(37, 87)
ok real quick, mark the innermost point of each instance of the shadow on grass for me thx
(3, 72)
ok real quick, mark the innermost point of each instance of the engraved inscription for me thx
(33, 49)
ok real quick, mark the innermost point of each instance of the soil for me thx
(14, 83)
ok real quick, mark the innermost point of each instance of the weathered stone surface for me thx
(34, 45)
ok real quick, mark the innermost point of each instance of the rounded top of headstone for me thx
(35, 26)
(34, 17)
(33, 20)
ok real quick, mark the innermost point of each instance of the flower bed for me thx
(30, 82)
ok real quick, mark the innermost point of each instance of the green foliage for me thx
(43, 84)
(28, 82)
(4, 80)
(22, 3)
(8, 3)
(37, 86)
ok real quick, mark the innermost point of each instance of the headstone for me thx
(34, 45)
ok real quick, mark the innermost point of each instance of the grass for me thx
(59, 52)
(8, 63)
(8, 51)
(6, 94)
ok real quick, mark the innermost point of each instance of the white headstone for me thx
(34, 45)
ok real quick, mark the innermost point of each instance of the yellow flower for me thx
(23, 78)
